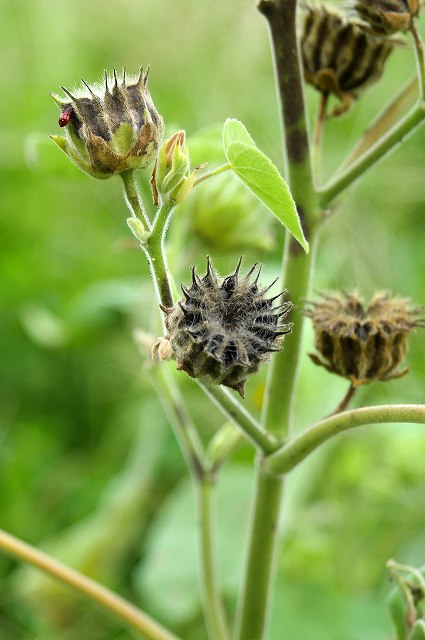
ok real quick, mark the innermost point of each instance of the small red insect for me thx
(65, 116)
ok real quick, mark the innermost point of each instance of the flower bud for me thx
(340, 56)
(173, 163)
(224, 329)
(173, 175)
(362, 343)
(388, 16)
(109, 130)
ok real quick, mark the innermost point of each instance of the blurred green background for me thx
(89, 468)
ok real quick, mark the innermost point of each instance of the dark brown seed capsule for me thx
(340, 56)
(362, 343)
(223, 329)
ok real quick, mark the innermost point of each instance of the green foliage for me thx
(260, 175)
(73, 288)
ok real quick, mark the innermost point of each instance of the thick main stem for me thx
(261, 557)
(254, 604)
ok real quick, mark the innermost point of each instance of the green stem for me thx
(154, 249)
(420, 61)
(214, 172)
(292, 453)
(125, 611)
(203, 485)
(282, 377)
(212, 604)
(240, 417)
(184, 430)
(133, 199)
(385, 119)
(254, 603)
(254, 606)
(386, 144)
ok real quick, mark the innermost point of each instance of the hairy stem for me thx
(214, 172)
(291, 454)
(154, 249)
(125, 611)
(132, 198)
(384, 145)
(254, 603)
(212, 604)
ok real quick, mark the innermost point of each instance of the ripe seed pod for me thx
(362, 343)
(339, 55)
(388, 16)
(110, 129)
(225, 328)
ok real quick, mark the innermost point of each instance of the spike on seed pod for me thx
(340, 56)
(110, 130)
(362, 343)
(224, 328)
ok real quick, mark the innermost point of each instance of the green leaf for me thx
(167, 577)
(260, 175)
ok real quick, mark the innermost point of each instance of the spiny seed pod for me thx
(224, 329)
(339, 56)
(388, 16)
(362, 343)
(109, 130)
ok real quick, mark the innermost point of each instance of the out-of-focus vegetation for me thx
(89, 468)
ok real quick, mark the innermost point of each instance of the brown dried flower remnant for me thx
(388, 16)
(225, 328)
(340, 56)
(362, 343)
(110, 129)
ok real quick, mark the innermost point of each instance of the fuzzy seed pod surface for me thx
(339, 55)
(225, 328)
(362, 343)
(110, 129)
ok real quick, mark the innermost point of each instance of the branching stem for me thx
(240, 417)
(292, 453)
(383, 146)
